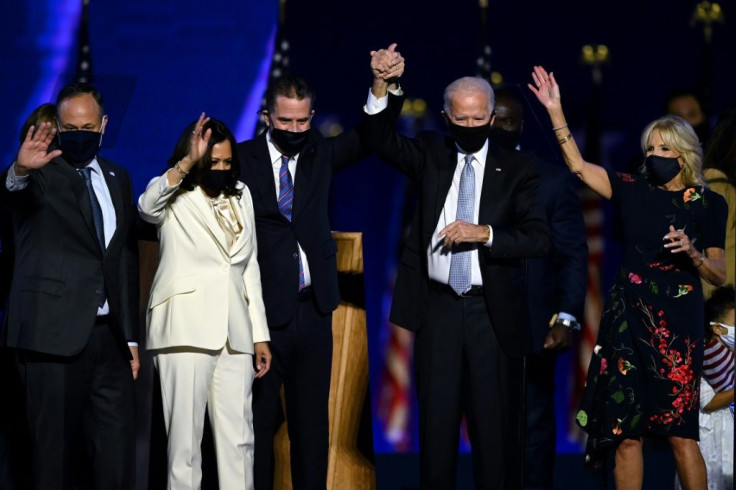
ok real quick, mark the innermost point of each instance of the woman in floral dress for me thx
(644, 376)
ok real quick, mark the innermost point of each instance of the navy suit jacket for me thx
(507, 203)
(309, 226)
(558, 282)
(59, 267)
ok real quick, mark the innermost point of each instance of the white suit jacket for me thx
(203, 293)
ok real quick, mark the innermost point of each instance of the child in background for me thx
(716, 389)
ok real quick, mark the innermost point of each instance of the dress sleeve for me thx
(622, 184)
(714, 224)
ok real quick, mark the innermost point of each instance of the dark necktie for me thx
(286, 199)
(460, 275)
(96, 217)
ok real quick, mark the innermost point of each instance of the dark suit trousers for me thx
(81, 416)
(461, 370)
(539, 462)
(302, 362)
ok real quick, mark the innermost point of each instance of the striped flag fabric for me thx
(394, 398)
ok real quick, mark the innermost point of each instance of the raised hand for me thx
(33, 152)
(387, 64)
(198, 143)
(545, 88)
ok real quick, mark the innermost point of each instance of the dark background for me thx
(159, 64)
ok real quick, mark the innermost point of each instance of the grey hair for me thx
(470, 84)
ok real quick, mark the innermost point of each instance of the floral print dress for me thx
(644, 375)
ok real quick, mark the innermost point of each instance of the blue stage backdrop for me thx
(161, 63)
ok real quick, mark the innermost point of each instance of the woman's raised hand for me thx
(545, 88)
(199, 141)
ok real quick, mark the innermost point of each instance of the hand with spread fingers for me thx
(33, 153)
(545, 88)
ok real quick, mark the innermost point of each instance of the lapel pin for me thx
(113, 173)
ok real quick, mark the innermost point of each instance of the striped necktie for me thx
(286, 200)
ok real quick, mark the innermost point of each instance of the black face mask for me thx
(505, 139)
(216, 180)
(289, 143)
(469, 139)
(660, 170)
(79, 147)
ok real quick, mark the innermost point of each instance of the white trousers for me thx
(221, 381)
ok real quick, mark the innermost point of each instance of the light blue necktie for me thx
(460, 260)
(96, 217)
(286, 199)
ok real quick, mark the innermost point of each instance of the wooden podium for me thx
(347, 467)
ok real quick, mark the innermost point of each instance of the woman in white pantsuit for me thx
(206, 320)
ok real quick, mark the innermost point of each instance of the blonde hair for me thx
(678, 135)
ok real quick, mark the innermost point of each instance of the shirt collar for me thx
(480, 155)
(274, 153)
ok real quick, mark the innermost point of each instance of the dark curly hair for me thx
(721, 301)
(220, 133)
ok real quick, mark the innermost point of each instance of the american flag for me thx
(84, 55)
(279, 62)
(394, 398)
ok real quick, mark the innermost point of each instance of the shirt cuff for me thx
(15, 182)
(566, 316)
(490, 236)
(374, 105)
(132, 344)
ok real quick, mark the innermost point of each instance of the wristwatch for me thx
(572, 325)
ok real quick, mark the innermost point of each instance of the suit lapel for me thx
(201, 210)
(116, 194)
(303, 179)
(493, 177)
(262, 171)
(79, 188)
(242, 238)
(447, 165)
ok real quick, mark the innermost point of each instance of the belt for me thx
(305, 293)
(102, 319)
(445, 288)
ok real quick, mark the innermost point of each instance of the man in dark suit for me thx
(556, 293)
(73, 307)
(288, 171)
(461, 283)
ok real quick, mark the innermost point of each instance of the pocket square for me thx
(498, 169)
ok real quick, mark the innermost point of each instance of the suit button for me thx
(296, 255)
(225, 267)
(98, 291)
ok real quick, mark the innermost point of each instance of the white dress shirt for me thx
(439, 257)
(276, 165)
